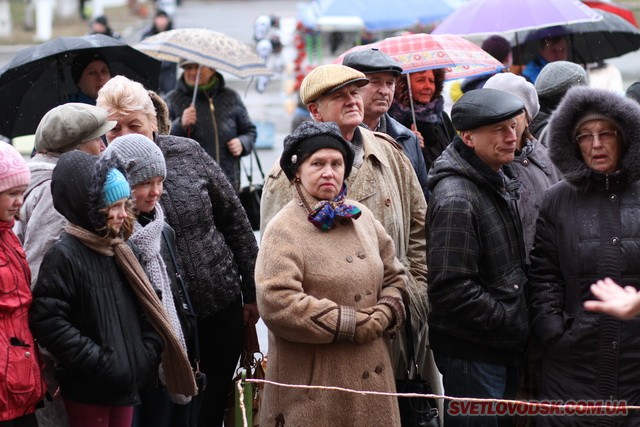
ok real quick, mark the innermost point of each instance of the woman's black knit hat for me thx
(310, 137)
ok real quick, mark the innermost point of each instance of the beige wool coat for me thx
(307, 281)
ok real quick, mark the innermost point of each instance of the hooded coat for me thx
(84, 311)
(475, 255)
(588, 229)
(221, 116)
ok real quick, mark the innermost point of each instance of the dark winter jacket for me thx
(214, 240)
(410, 146)
(476, 264)
(221, 116)
(588, 229)
(536, 173)
(84, 310)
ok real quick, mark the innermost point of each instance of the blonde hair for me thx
(123, 96)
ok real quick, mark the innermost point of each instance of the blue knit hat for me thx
(116, 187)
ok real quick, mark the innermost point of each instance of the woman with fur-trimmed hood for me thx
(588, 229)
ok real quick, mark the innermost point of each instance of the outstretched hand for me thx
(612, 299)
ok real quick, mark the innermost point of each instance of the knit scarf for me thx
(179, 375)
(148, 240)
(430, 112)
(324, 213)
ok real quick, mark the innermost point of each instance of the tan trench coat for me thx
(306, 280)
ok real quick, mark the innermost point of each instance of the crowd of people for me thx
(504, 233)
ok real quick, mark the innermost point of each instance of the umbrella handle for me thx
(413, 111)
(195, 87)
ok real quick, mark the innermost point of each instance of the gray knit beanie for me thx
(557, 77)
(141, 157)
(518, 86)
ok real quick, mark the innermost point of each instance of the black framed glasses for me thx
(589, 137)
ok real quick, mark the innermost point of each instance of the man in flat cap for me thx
(382, 177)
(478, 324)
(377, 96)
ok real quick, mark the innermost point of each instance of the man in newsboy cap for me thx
(382, 177)
(377, 96)
(478, 325)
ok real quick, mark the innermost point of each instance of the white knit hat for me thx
(518, 86)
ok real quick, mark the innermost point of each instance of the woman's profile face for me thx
(423, 86)
(322, 173)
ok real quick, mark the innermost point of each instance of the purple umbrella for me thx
(486, 17)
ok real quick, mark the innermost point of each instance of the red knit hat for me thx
(14, 171)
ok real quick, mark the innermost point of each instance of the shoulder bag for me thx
(250, 194)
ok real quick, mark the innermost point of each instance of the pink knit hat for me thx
(14, 171)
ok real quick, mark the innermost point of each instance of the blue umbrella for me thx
(380, 15)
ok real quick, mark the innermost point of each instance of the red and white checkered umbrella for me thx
(418, 52)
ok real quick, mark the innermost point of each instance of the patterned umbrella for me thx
(418, 52)
(209, 48)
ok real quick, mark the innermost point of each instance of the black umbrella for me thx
(588, 42)
(38, 78)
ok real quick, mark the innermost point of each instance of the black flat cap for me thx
(372, 61)
(483, 107)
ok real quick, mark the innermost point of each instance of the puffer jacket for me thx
(215, 244)
(587, 230)
(40, 225)
(476, 263)
(221, 116)
(536, 173)
(84, 311)
(21, 384)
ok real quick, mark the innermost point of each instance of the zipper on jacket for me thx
(212, 109)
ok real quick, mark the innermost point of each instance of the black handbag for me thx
(415, 411)
(250, 194)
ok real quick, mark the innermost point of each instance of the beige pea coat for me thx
(307, 281)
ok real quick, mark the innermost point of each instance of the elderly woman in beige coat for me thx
(330, 289)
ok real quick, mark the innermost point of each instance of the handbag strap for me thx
(411, 352)
(249, 174)
(185, 293)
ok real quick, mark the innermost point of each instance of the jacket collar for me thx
(371, 145)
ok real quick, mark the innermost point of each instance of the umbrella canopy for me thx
(209, 48)
(38, 78)
(418, 52)
(614, 8)
(379, 15)
(486, 17)
(587, 42)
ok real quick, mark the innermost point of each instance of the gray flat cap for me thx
(483, 107)
(372, 61)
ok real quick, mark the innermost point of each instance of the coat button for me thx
(358, 297)
(613, 198)
(387, 202)
(365, 375)
(349, 258)
(27, 354)
(525, 162)
(615, 241)
(362, 255)
(614, 345)
(378, 370)
(516, 286)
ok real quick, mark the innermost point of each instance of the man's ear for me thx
(467, 138)
(313, 109)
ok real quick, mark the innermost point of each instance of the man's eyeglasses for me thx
(604, 137)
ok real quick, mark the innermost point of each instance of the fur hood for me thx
(564, 150)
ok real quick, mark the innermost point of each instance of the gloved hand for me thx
(380, 313)
(367, 328)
